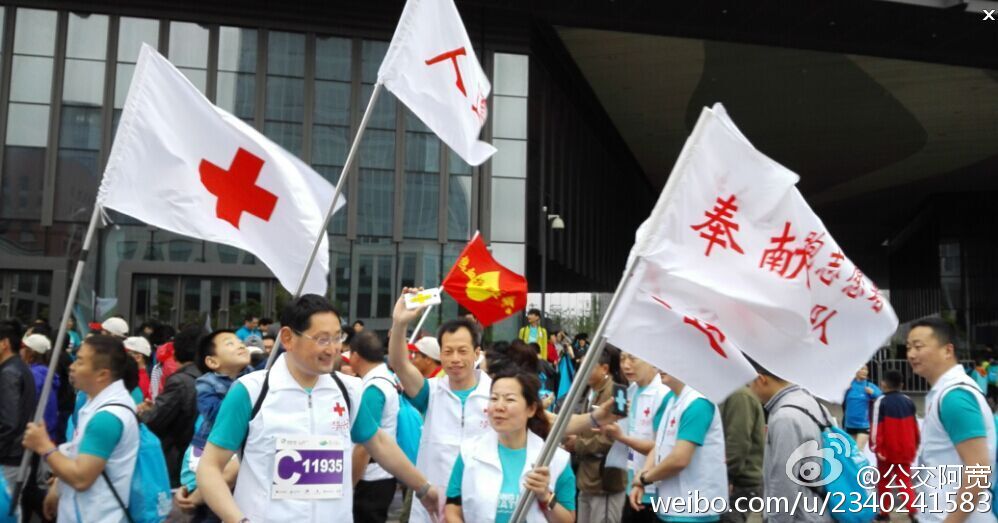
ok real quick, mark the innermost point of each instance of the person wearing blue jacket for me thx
(35, 352)
(856, 407)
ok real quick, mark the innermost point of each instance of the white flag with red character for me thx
(736, 252)
(184, 165)
(431, 67)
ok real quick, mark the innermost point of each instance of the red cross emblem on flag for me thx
(236, 188)
(338, 409)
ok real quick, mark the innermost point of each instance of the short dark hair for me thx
(763, 370)
(266, 321)
(109, 353)
(893, 379)
(206, 347)
(535, 312)
(456, 324)
(941, 329)
(297, 315)
(185, 343)
(358, 322)
(502, 358)
(268, 336)
(368, 346)
(11, 331)
(250, 317)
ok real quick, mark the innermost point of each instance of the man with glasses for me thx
(294, 425)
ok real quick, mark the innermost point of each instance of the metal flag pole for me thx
(592, 356)
(347, 165)
(574, 394)
(74, 287)
(415, 332)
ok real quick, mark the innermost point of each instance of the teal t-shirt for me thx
(961, 416)
(513, 461)
(693, 427)
(655, 420)
(101, 435)
(372, 404)
(422, 399)
(232, 421)
(137, 396)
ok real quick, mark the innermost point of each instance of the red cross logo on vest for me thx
(338, 409)
(647, 412)
(236, 188)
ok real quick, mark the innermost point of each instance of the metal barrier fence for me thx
(911, 382)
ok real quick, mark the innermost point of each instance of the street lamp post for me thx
(551, 222)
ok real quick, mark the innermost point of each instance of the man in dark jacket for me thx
(17, 399)
(173, 415)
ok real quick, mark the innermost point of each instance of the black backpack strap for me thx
(117, 498)
(821, 426)
(126, 407)
(256, 408)
(343, 390)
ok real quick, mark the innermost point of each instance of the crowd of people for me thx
(344, 422)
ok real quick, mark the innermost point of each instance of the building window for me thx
(236, 81)
(422, 180)
(28, 114)
(331, 116)
(459, 198)
(509, 165)
(189, 51)
(132, 33)
(81, 118)
(375, 208)
(285, 108)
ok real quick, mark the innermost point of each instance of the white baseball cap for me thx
(116, 326)
(428, 346)
(38, 343)
(138, 344)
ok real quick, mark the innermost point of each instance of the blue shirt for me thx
(244, 333)
(857, 404)
(961, 416)
(512, 462)
(101, 435)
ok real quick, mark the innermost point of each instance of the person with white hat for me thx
(426, 356)
(139, 349)
(35, 349)
(116, 327)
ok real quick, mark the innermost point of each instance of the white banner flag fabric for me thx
(431, 67)
(181, 164)
(734, 249)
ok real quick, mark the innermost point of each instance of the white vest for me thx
(640, 422)
(289, 410)
(483, 479)
(707, 471)
(937, 450)
(383, 379)
(445, 427)
(97, 504)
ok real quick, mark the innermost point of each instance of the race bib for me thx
(308, 467)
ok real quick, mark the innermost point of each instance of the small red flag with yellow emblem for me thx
(480, 284)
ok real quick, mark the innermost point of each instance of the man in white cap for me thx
(426, 356)
(139, 349)
(35, 353)
(116, 327)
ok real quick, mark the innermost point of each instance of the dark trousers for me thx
(641, 516)
(371, 500)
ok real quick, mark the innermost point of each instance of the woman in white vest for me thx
(106, 438)
(296, 462)
(493, 468)
(688, 456)
(958, 432)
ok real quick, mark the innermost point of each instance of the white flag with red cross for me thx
(181, 164)
(733, 261)
(431, 67)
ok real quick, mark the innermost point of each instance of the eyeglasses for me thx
(325, 341)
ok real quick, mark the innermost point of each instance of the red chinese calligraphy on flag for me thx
(181, 164)
(483, 286)
(431, 67)
(754, 270)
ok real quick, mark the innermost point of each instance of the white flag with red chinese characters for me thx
(734, 251)
(431, 67)
(184, 165)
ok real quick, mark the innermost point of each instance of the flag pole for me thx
(347, 165)
(74, 288)
(592, 356)
(415, 332)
